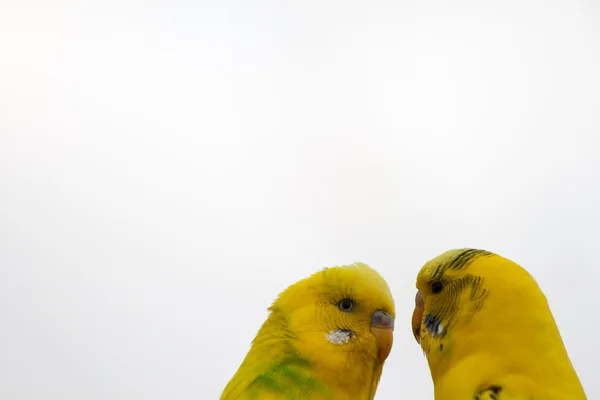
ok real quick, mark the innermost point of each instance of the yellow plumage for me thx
(488, 332)
(326, 337)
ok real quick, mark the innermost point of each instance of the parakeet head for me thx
(340, 311)
(467, 298)
(445, 286)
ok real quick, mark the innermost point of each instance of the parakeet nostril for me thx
(381, 319)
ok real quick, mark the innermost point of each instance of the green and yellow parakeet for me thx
(326, 337)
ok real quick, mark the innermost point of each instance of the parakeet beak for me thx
(382, 327)
(417, 317)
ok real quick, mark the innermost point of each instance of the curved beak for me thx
(417, 317)
(382, 327)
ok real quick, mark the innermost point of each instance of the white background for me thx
(168, 167)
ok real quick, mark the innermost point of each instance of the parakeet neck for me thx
(353, 374)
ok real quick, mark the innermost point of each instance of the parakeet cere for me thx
(326, 337)
(488, 332)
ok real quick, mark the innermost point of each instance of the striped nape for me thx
(458, 261)
(466, 257)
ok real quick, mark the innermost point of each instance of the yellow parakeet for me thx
(326, 337)
(488, 332)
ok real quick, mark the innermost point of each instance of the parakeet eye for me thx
(436, 287)
(346, 305)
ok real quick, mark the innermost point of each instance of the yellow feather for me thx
(487, 331)
(296, 356)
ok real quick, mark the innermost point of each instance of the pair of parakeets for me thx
(481, 320)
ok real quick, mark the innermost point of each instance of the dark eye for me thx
(436, 287)
(346, 305)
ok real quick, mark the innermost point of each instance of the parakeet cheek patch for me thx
(433, 325)
(341, 336)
